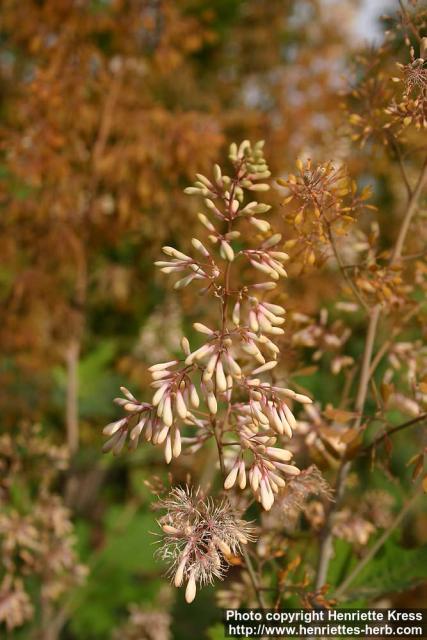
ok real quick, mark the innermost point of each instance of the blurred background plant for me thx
(108, 110)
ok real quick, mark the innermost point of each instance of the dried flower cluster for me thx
(323, 199)
(200, 538)
(36, 534)
(145, 625)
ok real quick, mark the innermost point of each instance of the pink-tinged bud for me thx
(262, 225)
(275, 418)
(199, 353)
(271, 242)
(148, 431)
(190, 592)
(212, 403)
(111, 428)
(232, 476)
(288, 393)
(168, 449)
(181, 407)
(176, 443)
(159, 394)
(167, 411)
(233, 367)
(185, 346)
(289, 469)
(289, 416)
(276, 331)
(184, 282)
(162, 365)
(179, 575)
(253, 321)
(267, 497)
(131, 406)
(286, 427)
(194, 398)
(111, 442)
(264, 286)
(210, 368)
(280, 255)
(274, 308)
(265, 367)
(234, 206)
(174, 253)
(161, 435)
(202, 328)
(205, 222)
(261, 186)
(265, 269)
(236, 314)
(242, 475)
(159, 375)
(278, 481)
(136, 431)
(221, 382)
(299, 397)
(118, 446)
(279, 454)
(128, 394)
(226, 251)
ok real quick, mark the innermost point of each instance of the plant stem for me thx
(72, 419)
(392, 431)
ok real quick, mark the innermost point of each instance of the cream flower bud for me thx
(176, 443)
(181, 407)
(242, 475)
(299, 397)
(185, 346)
(168, 449)
(279, 454)
(226, 251)
(194, 398)
(265, 269)
(265, 367)
(221, 382)
(199, 353)
(179, 575)
(212, 403)
(190, 592)
(261, 225)
(232, 476)
(287, 468)
(167, 411)
(113, 427)
(236, 314)
(199, 246)
(206, 222)
(159, 394)
(162, 365)
(289, 416)
(202, 328)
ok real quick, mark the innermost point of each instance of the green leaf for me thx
(123, 571)
(392, 569)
